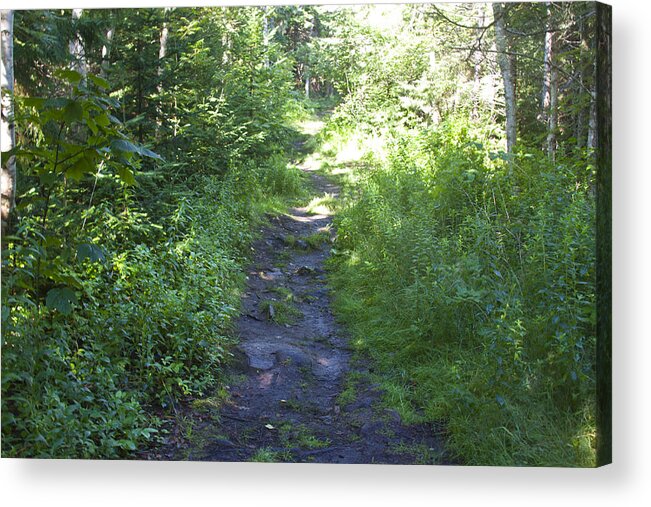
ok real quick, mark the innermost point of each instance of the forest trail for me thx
(295, 393)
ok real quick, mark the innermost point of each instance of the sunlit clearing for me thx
(312, 163)
(358, 146)
(311, 127)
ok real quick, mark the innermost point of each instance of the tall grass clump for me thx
(469, 276)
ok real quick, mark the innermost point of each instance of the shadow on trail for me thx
(295, 394)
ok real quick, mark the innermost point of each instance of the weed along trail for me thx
(294, 392)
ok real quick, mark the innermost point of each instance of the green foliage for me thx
(471, 281)
(282, 312)
(466, 273)
(125, 267)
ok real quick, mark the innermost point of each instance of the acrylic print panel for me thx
(331, 234)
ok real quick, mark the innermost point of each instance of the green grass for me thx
(280, 312)
(300, 436)
(446, 384)
(350, 390)
(422, 454)
(317, 239)
(266, 455)
(323, 205)
(413, 294)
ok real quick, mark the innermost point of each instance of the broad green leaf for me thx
(56, 103)
(61, 299)
(99, 81)
(81, 166)
(90, 252)
(124, 145)
(126, 175)
(69, 75)
(102, 120)
(148, 153)
(33, 101)
(127, 444)
(72, 111)
(47, 178)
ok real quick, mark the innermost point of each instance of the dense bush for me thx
(469, 276)
(124, 269)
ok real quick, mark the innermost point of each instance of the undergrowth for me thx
(468, 277)
(149, 328)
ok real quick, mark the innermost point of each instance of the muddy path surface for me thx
(295, 394)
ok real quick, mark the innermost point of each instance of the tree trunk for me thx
(306, 73)
(162, 52)
(506, 67)
(265, 35)
(592, 113)
(8, 176)
(76, 48)
(106, 52)
(585, 64)
(477, 57)
(550, 86)
(547, 68)
(552, 121)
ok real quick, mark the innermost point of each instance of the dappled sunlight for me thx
(359, 146)
(312, 162)
(311, 127)
(324, 205)
(309, 218)
(376, 199)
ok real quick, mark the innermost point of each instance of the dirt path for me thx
(295, 393)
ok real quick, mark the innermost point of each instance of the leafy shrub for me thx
(469, 276)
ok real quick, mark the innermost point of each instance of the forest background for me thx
(631, 217)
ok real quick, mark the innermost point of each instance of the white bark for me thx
(8, 130)
(550, 87)
(506, 68)
(547, 68)
(477, 56)
(162, 52)
(592, 115)
(76, 48)
(592, 122)
(265, 35)
(106, 51)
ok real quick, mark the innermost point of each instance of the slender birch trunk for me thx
(477, 56)
(106, 51)
(162, 53)
(265, 35)
(547, 69)
(592, 139)
(550, 86)
(76, 48)
(8, 131)
(506, 67)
